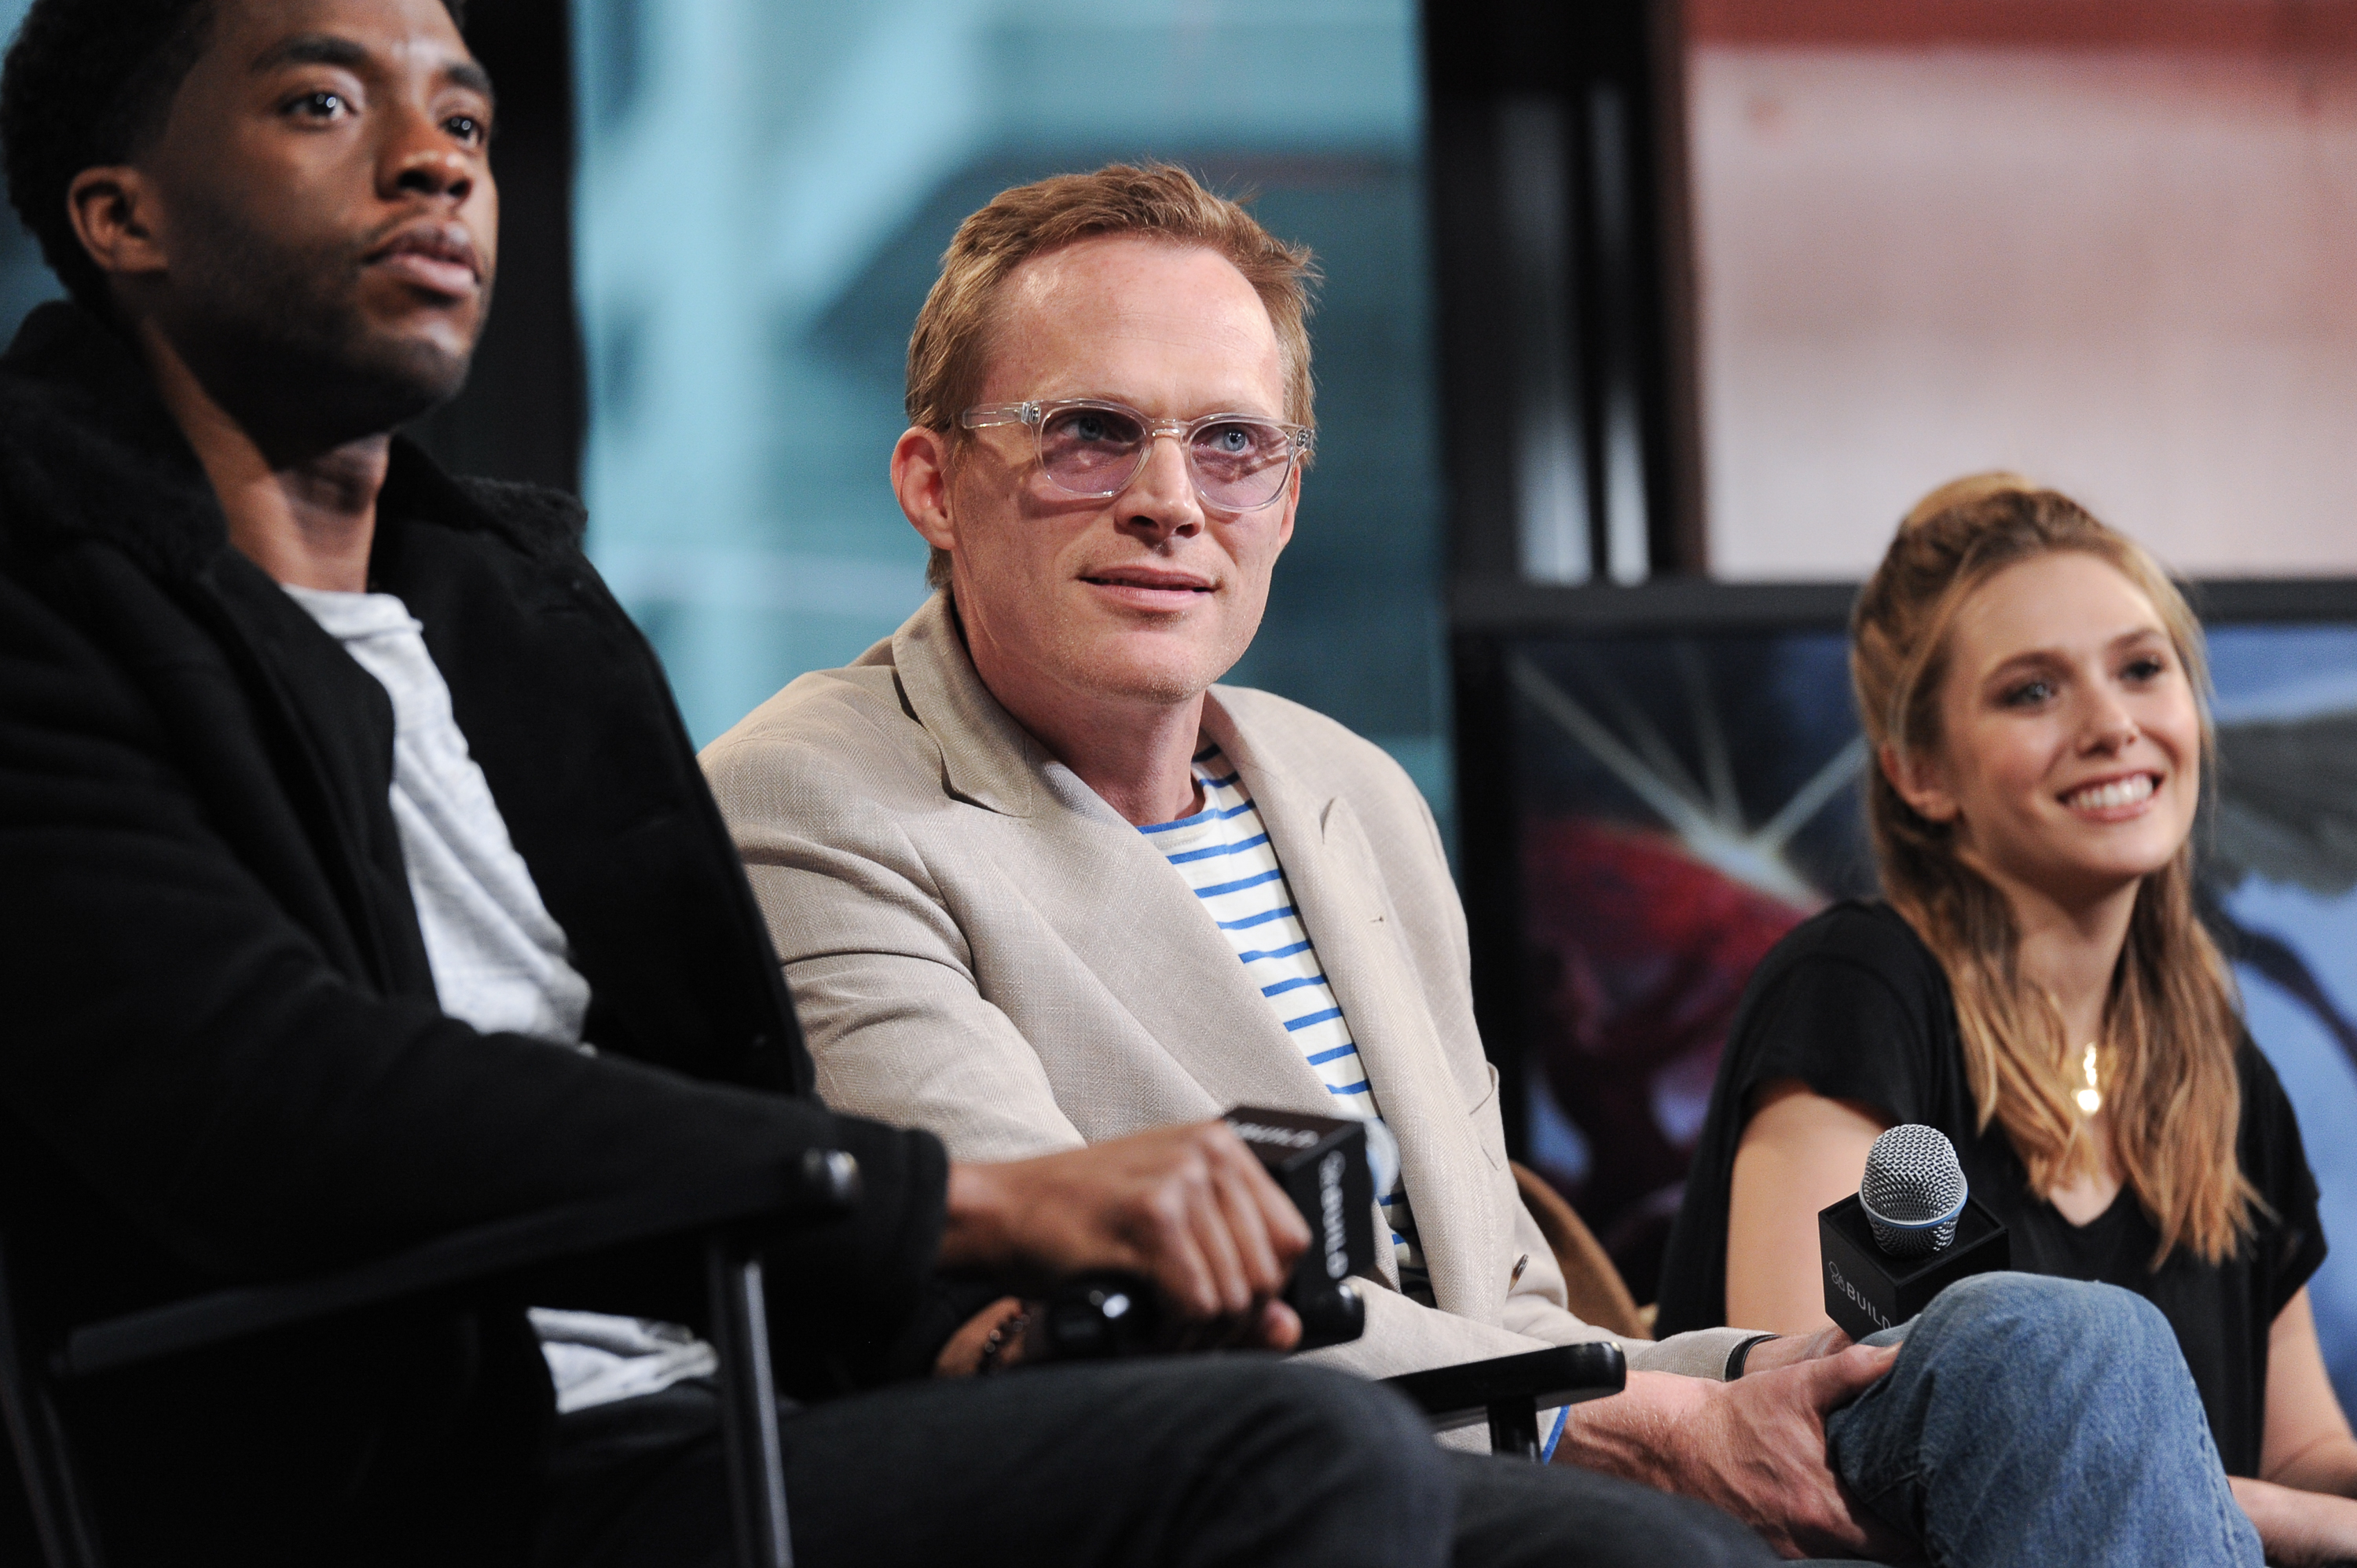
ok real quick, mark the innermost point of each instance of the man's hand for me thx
(2301, 1529)
(1755, 1447)
(1187, 1207)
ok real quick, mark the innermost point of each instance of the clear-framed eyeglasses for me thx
(1239, 462)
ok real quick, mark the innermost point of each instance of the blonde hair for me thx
(951, 344)
(2169, 1022)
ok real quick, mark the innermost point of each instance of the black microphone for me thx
(1912, 1229)
(1325, 1164)
(1331, 1167)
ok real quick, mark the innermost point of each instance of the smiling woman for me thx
(2037, 987)
(2031, 683)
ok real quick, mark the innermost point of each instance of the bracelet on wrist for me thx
(1740, 1356)
(1003, 1335)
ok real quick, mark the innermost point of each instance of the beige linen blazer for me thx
(978, 945)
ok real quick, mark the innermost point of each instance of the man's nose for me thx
(1162, 498)
(420, 161)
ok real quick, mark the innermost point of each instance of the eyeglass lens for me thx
(1238, 463)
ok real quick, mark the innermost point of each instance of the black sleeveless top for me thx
(1853, 1004)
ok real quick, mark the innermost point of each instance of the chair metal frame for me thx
(736, 1216)
(1508, 1391)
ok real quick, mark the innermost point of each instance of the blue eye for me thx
(1091, 427)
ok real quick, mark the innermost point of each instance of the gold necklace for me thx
(2091, 1099)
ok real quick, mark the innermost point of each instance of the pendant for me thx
(2091, 1099)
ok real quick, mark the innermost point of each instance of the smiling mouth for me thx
(2112, 794)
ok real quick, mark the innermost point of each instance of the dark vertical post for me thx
(522, 413)
(1561, 254)
(751, 1446)
(1515, 1429)
(1489, 841)
(1679, 541)
(1561, 251)
(60, 1520)
(1502, 169)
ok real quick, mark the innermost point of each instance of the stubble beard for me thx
(1161, 681)
(277, 336)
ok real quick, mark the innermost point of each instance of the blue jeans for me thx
(2031, 1419)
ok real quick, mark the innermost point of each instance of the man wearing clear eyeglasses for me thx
(1037, 882)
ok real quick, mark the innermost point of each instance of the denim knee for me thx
(2050, 1343)
(2039, 1309)
(2101, 1453)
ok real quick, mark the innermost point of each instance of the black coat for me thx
(220, 1057)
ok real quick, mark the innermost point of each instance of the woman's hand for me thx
(2299, 1529)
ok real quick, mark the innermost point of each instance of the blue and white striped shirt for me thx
(1223, 852)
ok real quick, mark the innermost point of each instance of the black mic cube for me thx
(1321, 1163)
(1867, 1290)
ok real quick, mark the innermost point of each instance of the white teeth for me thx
(2125, 792)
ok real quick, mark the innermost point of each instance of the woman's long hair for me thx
(2169, 1024)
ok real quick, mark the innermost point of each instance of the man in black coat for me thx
(231, 1049)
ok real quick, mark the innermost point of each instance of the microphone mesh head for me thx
(1912, 1177)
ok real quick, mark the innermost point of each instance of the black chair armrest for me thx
(1508, 1391)
(820, 1183)
(731, 1214)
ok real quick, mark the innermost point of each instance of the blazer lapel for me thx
(1101, 885)
(1332, 871)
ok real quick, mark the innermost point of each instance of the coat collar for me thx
(89, 452)
(991, 760)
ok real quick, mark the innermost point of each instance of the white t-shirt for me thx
(500, 959)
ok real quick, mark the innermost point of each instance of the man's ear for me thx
(113, 212)
(921, 479)
(1917, 779)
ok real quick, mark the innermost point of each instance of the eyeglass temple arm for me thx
(1000, 414)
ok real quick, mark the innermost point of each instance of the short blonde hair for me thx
(950, 348)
